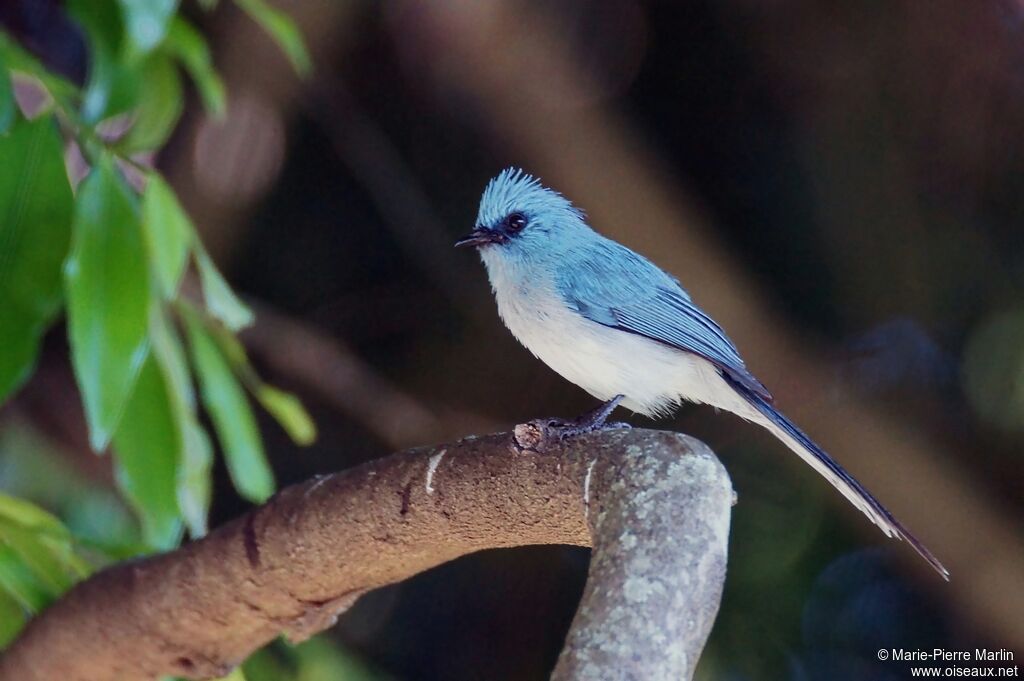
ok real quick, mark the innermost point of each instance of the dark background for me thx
(840, 183)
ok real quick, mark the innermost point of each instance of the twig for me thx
(328, 368)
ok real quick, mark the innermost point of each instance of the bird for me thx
(611, 321)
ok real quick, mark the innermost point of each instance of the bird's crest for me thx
(515, 190)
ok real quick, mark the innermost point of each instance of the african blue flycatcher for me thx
(619, 327)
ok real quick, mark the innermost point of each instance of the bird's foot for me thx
(595, 419)
(539, 434)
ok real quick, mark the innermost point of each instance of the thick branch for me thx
(658, 505)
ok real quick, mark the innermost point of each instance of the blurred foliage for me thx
(994, 369)
(113, 252)
(38, 562)
(314, 660)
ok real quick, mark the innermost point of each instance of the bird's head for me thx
(520, 217)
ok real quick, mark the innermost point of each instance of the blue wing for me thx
(609, 284)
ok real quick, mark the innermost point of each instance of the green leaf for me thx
(18, 580)
(8, 107)
(19, 59)
(160, 103)
(35, 229)
(284, 32)
(186, 43)
(42, 541)
(221, 301)
(194, 479)
(113, 83)
(194, 462)
(289, 412)
(283, 406)
(45, 563)
(235, 353)
(170, 353)
(147, 21)
(30, 516)
(12, 618)
(314, 660)
(147, 446)
(168, 234)
(231, 414)
(108, 299)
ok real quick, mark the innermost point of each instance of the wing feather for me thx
(611, 285)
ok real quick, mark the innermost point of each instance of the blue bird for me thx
(613, 323)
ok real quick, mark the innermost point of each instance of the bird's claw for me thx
(539, 434)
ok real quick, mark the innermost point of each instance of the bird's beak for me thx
(479, 237)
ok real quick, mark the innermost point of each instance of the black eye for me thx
(516, 222)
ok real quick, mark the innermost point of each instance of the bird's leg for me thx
(541, 434)
(595, 419)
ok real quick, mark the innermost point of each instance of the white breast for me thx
(603, 361)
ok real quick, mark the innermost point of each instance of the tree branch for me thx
(657, 505)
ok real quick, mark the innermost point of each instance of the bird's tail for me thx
(781, 427)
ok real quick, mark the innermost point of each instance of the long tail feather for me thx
(784, 429)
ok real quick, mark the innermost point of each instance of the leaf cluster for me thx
(112, 254)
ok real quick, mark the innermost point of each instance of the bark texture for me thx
(656, 504)
(660, 529)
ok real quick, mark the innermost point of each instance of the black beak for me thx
(479, 237)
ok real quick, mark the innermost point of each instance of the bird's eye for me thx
(516, 222)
